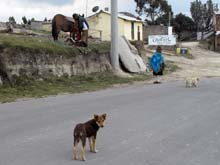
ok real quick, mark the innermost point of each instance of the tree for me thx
(202, 14)
(209, 12)
(30, 20)
(24, 19)
(215, 7)
(196, 13)
(165, 19)
(182, 23)
(12, 20)
(153, 9)
(45, 19)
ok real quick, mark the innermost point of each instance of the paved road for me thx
(163, 124)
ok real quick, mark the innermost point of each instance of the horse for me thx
(62, 23)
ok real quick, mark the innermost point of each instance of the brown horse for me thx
(62, 23)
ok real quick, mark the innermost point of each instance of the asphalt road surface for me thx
(163, 124)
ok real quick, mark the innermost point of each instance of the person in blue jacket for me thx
(157, 64)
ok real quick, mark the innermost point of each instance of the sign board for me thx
(167, 40)
(183, 51)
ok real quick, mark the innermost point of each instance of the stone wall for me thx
(154, 30)
(18, 63)
(3, 26)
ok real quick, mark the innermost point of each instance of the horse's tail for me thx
(54, 29)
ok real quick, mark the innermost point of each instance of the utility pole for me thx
(86, 8)
(170, 29)
(169, 18)
(114, 35)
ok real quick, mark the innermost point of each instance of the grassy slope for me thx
(26, 87)
(35, 88)
(38, 45)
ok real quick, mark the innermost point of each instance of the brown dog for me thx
(87, 130)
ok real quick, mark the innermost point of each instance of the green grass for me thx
(45, 45)
(42, 31)
(170, 67)
(33, 88)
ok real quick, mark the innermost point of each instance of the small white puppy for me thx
(192, 82)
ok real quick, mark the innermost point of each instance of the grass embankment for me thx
(39, 45)
(32, 88)
(36, 87)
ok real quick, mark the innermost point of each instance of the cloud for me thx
(39, 9)
(80, 5)
(31, 9)
(51, 2)
(129, 7)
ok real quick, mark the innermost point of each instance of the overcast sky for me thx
(39, 9)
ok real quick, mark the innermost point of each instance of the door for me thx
(132, 30)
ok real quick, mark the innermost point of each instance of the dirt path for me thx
(204, 64)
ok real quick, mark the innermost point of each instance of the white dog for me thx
(192, 82)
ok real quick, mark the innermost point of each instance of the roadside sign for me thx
(182, 51)
(166, 40)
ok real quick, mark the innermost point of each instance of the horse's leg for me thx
(57, 34)
(72, 35)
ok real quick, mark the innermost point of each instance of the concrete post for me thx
(114, 35)
(86, 8)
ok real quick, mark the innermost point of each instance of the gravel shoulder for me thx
(204, 64)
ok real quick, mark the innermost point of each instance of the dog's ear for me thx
(96, 117)
(104, 116)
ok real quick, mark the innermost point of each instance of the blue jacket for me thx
(156, 61)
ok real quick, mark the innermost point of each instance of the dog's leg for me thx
(83, 153)
(90, 144)
(187, 83)
(83, 149)
(94, 144)
(75, 146)
(195, 83)
(190, 84)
